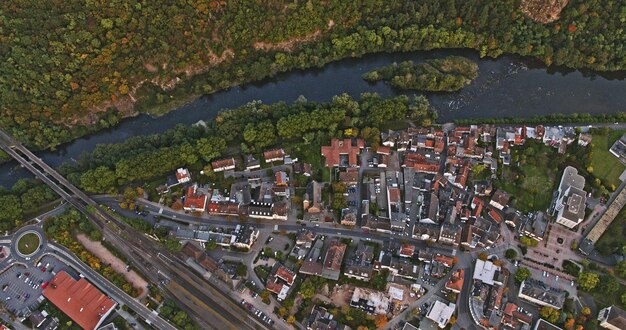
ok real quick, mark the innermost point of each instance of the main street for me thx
(142, 251)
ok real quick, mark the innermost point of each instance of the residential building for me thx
(281, 178)
(251, 163)
(359, 263)
(280, 281)
(570, 205)
(313, 263)
(535, 226)
(499, 200)
(321, 319)
(276, 155)
(333, 260)
(584, 139)
(455, 283)
(342, 152)
(488, 289)
(441, 313)
(245, 236)
(406, 250)
(223, 165)
(516, 318)
(312, 201)
(618, 149)
(195, 201)
(612, 318)
(183, 175)
(260, 211)
(87, 306)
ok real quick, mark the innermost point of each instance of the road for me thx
(142, 251)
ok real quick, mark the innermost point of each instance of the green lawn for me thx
(28, 243)
(606, 167)
(530, 185)
(614, 238)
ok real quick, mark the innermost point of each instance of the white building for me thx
(570, 204)
(441, 313)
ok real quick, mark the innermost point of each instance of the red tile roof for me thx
(394, 195)
(285, 274)
(383, 150)
(407, 250)
(444, 260)
(79, 300)
(342, 147)
(495, 215)
(272, 155)
(272, 286)
(194, 200)
(222, 163)
(455, 282)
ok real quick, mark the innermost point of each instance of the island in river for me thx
(448, 74)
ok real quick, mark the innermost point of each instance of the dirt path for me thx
(116, 263)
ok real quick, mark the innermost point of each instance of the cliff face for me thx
(543, 11)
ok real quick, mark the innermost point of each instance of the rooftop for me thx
(485, 271)
(79, 300)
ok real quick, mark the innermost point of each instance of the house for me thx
(342, 152)
(82, 302)
(260, 211)
(426, 232)
(321, 319)
(37, 318)
(333, 260)
(584, 139)
(539, 293)
(499, 199)
(195, 201)
(348, 217)
(570, 204)
(450, 234)
(618, 149)
(223, 165)
(372, 302)
(281, 178)
(312, 201)
(515, 318)
(359, 263)
(455, 283)
(251, 163)
(370, 222)
(612, 318)
(441, 313)
(424, 163)
(280, 280)
(350, 176)
(245, 236)
(182, 175)
(489, 283)
(312, 264)
(406, 250)
(275, 155)
(535, 226)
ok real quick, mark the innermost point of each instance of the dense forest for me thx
(447, 74)
(73, 67)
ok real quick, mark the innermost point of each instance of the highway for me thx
(219, 311)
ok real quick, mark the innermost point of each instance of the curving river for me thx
(506, 87)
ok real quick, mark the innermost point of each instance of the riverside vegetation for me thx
(435, 75)
(71, 68)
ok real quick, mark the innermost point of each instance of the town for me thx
(417, 232)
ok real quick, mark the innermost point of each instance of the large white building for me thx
(441, 313)
(612, 318)
(570, 204)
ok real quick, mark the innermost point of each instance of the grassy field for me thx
(28, 243)
(606, 166)
(531, 184)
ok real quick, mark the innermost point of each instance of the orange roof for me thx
(407, 250)
(394, 195)
(455, 283)
(342, 147)
(383, 150)
(223, 163)
(444, 260)
(495, 215)
(285, 274)
(79, 300)
(273, 154)
(273, 286)
(194, 199)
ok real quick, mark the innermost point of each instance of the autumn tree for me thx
(380, 320)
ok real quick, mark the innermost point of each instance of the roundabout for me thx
(28, 243)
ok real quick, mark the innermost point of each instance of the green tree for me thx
(549, 314)
(211, 148)
(98, 180)
(608, 284)
(620, 268)
(510, 254)
(588, 280)
(522, 274)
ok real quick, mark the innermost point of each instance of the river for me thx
(506, 87)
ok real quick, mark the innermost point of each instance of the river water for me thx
(506, 87)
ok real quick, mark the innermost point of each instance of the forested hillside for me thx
(70, 67)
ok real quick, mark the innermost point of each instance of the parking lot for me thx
(21, 286)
